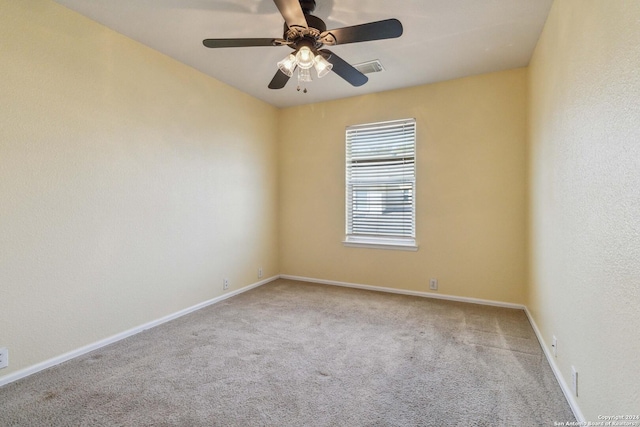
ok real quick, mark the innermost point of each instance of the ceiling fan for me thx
(306, 35)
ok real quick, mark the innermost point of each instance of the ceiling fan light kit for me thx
(306, 35)
(304, 60)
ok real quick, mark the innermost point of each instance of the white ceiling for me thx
(442, 40)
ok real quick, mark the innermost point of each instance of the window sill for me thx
(389, 244)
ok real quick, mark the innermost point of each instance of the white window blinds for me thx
(380, 183)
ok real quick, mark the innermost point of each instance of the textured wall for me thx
(130, 185)
(585, 198)
(471, 202)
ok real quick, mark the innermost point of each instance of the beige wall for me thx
(471, 202)
(585, 198)
(130, 184)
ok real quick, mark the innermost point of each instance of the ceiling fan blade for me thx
(344, 69)
(218, 43)
(387, 29)
(292, 13)
(279, 80)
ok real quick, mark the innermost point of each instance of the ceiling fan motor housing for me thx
(315, 22)
(316, 26)
(312, 22)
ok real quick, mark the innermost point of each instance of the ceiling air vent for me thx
(369, 67)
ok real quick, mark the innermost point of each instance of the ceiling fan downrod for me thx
(308, 6)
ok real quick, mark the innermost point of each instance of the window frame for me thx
(379, 241)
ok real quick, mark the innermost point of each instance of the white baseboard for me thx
(405, 292)
(568, 393)
(110, 340)
(91, 347)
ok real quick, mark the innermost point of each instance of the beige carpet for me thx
(296, 354)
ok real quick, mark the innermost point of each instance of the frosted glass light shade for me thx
(304, 57)
(287, 65)
(322, 66)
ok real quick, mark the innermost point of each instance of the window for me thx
(380, 185)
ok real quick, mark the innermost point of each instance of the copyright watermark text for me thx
(604, 421)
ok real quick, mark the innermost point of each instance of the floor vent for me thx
(370, 67)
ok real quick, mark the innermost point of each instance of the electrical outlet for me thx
(574, 380)
(554, 346)
(433, 284)
(4, 357)
(225, 284)
(260, 273)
